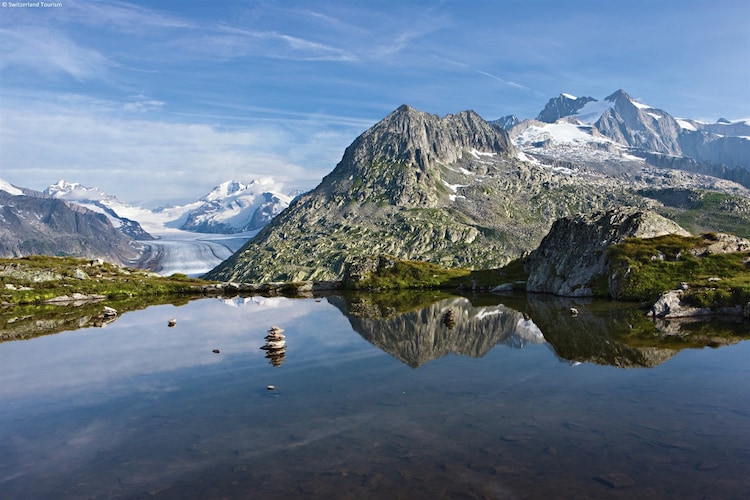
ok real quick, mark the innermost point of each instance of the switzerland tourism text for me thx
(32, 4)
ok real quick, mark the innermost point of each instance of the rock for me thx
(573, 311)
(109, 312)
(79, 274)
(572, 256)
(616, 480)
(670, 305)
(505, 287)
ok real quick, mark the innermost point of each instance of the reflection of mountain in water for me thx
(450, 325)
(618, 336)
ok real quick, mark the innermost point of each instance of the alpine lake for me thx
(402, 395)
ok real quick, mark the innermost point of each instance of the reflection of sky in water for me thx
(140, 342)
(140, 409)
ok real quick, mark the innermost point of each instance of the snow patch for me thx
(9, 188)
(477, 154)
(685, 124)
(453, 187)
(592, 111)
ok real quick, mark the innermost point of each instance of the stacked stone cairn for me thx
(275, 346)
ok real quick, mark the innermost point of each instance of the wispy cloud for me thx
(504, 82)
(50, 52)
(123, 16)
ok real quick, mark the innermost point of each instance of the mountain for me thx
(562, 106)
(506, 122)
(234, 207)
(32, 222)
(98, 201)
(229, 208)
(453, 191)
(620, 132)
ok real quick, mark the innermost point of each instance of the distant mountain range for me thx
(619, 133)
(101, 226)
(229, 208)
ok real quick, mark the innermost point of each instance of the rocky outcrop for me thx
(572, 257)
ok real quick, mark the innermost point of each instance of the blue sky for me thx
(158, 101)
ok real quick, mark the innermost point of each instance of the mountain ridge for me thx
(453, 191)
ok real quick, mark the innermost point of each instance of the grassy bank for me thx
(37, 279)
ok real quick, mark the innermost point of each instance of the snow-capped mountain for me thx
(562, 106)
(620, 132)
(36, 223)
(98, 201)
(231, 212)
(506, 122)
(229, 208)
(234, 207)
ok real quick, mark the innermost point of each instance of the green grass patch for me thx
(408, 274)
(35, 279)
(647, 267)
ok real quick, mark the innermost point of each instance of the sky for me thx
(157, 102)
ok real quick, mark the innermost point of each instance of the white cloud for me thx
(49, 52)
(153, 161)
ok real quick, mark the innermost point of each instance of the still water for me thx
(379, 397)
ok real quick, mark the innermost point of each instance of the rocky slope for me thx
(34, 223)
(450, 190)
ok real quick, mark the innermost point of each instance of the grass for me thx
(408, 274)
(648, 267)
(35, 279)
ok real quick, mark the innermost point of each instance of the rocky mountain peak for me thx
(506, 122)
(411, 137)
(562, 106)
(618, 95)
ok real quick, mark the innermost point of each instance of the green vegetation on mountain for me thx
(701, 211)
(388, 273)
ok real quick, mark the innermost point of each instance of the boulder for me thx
(670, 305)
(573, 254)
